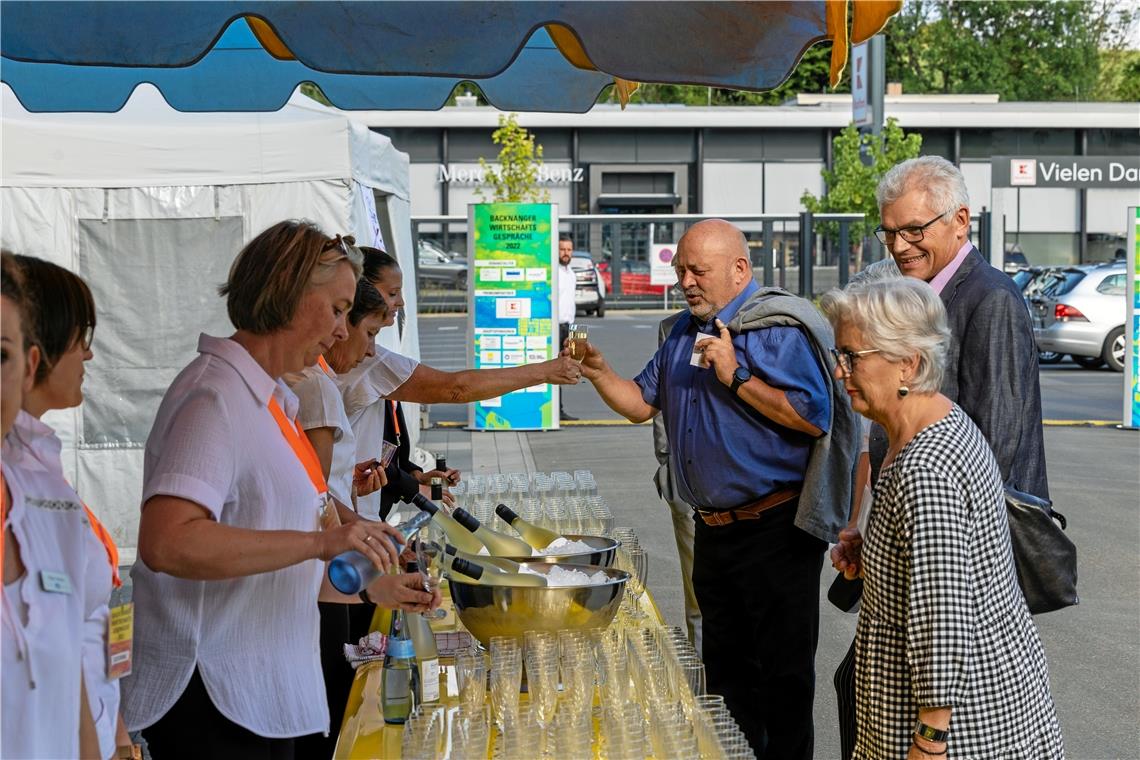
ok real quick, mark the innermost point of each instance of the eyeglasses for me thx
(909, 234)
(87, 337)
(846, 359)
(342, 243)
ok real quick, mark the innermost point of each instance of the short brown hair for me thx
(71, 315)
(270, 275)
(14, 288)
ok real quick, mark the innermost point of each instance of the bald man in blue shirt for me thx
(762, 441)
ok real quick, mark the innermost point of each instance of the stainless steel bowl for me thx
(488, 611)
(603, 549)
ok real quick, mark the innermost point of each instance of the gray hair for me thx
(900, 317)
(884, 269)
(940, 180)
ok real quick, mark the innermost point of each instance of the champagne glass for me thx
(638, 572)
(579, 336)
(429, 554)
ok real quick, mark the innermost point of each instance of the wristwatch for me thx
(930, 733)
(741, 376)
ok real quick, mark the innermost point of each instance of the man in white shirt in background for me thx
(567, 284)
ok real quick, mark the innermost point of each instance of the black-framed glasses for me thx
(909, 234)
(847, 359)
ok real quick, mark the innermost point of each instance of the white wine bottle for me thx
(493, 564)
(427, 653)
(409, 490)
(498, 544)
(539, 538)
(471, 571)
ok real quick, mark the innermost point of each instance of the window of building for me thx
(793, 145)
(1114, 142)
(938, 142)
(733, 145)
(642, 183)
(984, 143)
(1046, 248)
(469, 145)
(421, 145)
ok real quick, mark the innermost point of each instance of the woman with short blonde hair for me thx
(230, 541)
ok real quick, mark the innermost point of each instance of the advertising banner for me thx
(511, 301)
(1132, 324)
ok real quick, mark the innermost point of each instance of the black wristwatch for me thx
(741, 376)
(930, 733)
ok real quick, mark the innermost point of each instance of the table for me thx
(365, 736)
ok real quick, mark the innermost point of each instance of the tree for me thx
(1019, 49)
(516, 178)
(851, 184)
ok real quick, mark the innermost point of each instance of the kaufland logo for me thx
(1023, 171)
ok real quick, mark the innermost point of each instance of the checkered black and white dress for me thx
(943, 621)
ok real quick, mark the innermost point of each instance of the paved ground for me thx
(628, 339)
(1093, 649)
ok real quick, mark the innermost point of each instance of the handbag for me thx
(1045, 558)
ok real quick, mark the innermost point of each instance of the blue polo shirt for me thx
(725, 453)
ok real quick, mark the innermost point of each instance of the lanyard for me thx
(108, 543)
(325, 366)
(301, 446)
(395, 419)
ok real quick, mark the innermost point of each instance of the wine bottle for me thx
(441, 463)
(427, 654)
(409, 490)
(401, 676)
(350, 572)
(480, 575)
(539, 538)
(498, 544)
(494, 564)
(437, 489)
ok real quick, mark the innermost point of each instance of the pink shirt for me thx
(948, 271)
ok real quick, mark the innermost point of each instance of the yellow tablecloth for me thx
(365, 736)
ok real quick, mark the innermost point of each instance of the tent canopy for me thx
(380, 54)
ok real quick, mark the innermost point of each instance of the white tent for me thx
(150, 206)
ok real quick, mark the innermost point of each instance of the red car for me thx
(634, 279)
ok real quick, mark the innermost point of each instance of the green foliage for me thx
(851, 185)
(1119, 76)
(1019, 49)
(809, 76)
(516, 179)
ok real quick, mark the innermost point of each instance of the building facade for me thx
(676, 159)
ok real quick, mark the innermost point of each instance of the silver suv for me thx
(1082, 314)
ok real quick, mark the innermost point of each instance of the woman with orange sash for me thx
(64, 334)
(43, 708)
(233, 502)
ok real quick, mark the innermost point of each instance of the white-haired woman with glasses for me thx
(948, 660)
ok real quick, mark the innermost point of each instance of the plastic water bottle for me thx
(352, 572)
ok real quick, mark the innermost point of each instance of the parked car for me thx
(590, 291)
(439, 267)
(634, 278)
(1080, 311)
(1030, 280)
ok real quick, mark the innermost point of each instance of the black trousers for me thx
(563, 335)
(193, 729)
(757, 583)
(340, 624)
(845, 701)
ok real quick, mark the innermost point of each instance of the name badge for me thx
(55, 583)
(698, 358)
(120, 640)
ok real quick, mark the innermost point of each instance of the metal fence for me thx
(776, 242)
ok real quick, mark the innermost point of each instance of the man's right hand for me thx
(846, 555)
(593, 363)
(563, 371)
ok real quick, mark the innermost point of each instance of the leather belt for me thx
(716, 517)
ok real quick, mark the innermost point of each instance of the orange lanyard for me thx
(396, 419)
(324, 366)
(108, 543)
(301, 446)
(3, 517)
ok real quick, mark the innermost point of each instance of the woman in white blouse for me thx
(226, 633)
(64, 334)
(43, 707)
